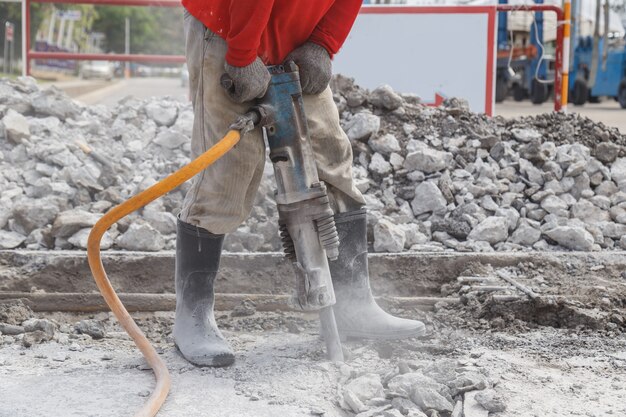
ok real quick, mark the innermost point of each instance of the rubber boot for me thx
(356, 311)
(195, 331)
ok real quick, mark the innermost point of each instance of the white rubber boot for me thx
(356, 311)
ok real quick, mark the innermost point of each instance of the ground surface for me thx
(608, 111)
(540, 371)
(563, 355)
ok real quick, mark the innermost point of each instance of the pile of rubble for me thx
(446, 387)
(434, 179)
(18, 325)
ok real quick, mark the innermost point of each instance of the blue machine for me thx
(610, 77)
(527, 68)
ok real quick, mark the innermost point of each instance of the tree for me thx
(152, 30)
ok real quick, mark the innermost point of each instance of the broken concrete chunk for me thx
(575, 238)
(10, 240)
(362, 126)
(91, 327)
(366, 387)
(430, 399)
(161, 113)
(468, 381)
(16, 126)
(428, 199)
(141, 237)
(384, 97)
(491, 400)
(43, 325)
(428, 160)
(71, 221)
(492, 230)
(471, 407)
(388, 237)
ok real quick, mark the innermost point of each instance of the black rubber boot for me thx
(356, 311)
(195, 331)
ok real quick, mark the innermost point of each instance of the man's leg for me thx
(356, 312)
(219, 200)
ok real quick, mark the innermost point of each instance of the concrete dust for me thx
(280, 369)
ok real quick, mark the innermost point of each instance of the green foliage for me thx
(153, 30)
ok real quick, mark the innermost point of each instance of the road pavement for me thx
(608, 112)
(141, 88)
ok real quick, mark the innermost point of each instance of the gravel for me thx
(435, 179)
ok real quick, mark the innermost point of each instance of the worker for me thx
(239, 38)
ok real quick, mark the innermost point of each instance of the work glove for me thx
(248, 82)
(315, 68)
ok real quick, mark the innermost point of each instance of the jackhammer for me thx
(306, 220)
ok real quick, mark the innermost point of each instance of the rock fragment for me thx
(362, 126)
(575, 238)
(365, 388)
(141, 237)
(11, 240)
(384, 97)
(491, 401)
(430, 399)
(91, 327)
(388, 237)
(428, 199)
(16, 126)
(492, 230)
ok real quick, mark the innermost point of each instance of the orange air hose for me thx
(156, 399)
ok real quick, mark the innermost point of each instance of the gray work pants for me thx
(222, 196)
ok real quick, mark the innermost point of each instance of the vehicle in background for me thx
(143, 71)
(97, 69)
(523, 68)
(184, 76)
(606, 77)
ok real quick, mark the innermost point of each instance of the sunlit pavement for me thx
(608, 111)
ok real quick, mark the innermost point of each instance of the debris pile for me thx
(434, 179)
(447, 388)
(527, 296)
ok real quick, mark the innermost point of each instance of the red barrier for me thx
(30, 55)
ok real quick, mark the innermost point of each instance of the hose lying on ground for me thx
(156, 399)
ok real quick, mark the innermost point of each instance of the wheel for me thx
(621, 98)
(518, 92)
(501, 89)
(538, 92)
(580, 93)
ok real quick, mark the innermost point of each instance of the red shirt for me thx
(271, 29)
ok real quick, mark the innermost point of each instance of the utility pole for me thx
(25, 35)
(51, 28)
(9, 48)
(59, 42)
(127, 47)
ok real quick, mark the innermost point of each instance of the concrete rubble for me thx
(435, 179)
(402, 387)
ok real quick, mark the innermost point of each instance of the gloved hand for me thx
(249, 82)
(315, 67)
